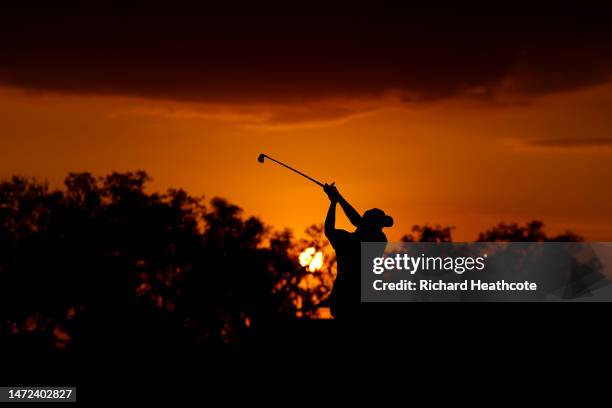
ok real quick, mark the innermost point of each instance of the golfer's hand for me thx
(332, 192)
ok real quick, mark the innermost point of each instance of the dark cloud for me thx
(287, 60)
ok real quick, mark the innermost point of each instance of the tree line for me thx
(105, 262)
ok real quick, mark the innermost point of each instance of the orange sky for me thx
(452, 162)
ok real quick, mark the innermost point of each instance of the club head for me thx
(261, 158)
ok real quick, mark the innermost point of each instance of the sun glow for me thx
(311, 259)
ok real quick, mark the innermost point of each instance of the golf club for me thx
(262, 157)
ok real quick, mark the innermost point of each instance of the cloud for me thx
(290, 61)
(259, 116)
(570, 143)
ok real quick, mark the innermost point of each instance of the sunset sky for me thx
(464, 125)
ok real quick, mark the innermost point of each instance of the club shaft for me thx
(291, 168)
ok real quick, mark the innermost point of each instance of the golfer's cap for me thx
(377, 217)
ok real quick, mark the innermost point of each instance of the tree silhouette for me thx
(428, 233)
(103, 264)
(532, 231)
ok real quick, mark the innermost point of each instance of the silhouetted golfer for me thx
(346, 294)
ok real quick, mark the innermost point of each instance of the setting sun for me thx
(311, 259)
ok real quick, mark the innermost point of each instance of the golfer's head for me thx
(376, 219)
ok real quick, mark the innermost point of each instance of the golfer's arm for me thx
(350, 212)
(330, 221)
